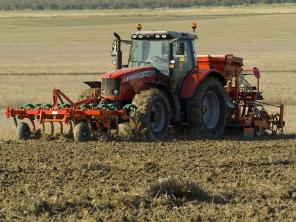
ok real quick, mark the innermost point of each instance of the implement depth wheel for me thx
(81, 132)
(153, 112)
(23, 131)
(207, 109)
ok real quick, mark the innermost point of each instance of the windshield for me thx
(150, 53)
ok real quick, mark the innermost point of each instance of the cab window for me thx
(183, 57)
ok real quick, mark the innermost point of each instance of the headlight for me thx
(115, 92)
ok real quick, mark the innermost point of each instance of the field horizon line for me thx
(261, 9)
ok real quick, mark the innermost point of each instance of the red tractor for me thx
(164, 84)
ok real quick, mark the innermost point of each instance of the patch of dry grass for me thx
(178, 189)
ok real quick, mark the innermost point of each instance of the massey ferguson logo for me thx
(139, 75)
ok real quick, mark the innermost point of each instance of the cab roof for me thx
(163, 35)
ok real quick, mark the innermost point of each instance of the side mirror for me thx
(114, 50)
(180, 48)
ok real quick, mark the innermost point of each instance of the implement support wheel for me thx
(23, 131)
(81, 132)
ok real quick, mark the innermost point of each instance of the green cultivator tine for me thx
(84, 106)
(27, 106)
(64, 105)
(111, 106)
(48, 106)
(100, 105)
(38, 105)
(108, 106)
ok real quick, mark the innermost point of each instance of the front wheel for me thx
(153, 113)
(207, 109)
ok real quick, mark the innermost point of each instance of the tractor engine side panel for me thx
(132, 84)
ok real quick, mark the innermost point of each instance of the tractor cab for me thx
(161, 49)
(172, 54)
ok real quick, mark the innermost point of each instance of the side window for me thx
(183, 57)
(194, 51)
(183, 63)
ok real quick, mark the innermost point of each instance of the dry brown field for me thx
(182, 180)
(179, 179)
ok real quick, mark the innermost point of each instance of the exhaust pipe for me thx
(118, 58)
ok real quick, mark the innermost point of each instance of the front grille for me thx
(108, 85)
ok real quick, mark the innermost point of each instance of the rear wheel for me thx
(153, 112)
(23, 131)
(81, 132)
(207, 109)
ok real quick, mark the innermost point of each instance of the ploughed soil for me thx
(231, 179)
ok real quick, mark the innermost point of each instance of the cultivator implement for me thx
(95, 114)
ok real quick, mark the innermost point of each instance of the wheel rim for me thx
(84, 135)
(211, 110)
(157, 117)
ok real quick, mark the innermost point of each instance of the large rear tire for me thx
(153, 112)
(81, 132)
(207, 109)
(23, 131)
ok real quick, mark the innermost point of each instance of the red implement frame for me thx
(97, 119)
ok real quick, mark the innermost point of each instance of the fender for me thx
(164, 88)
(195, 77)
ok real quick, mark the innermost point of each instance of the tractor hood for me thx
(130, 72)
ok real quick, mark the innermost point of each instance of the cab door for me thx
(182, 62)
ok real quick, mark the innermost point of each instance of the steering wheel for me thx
(154, 59)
